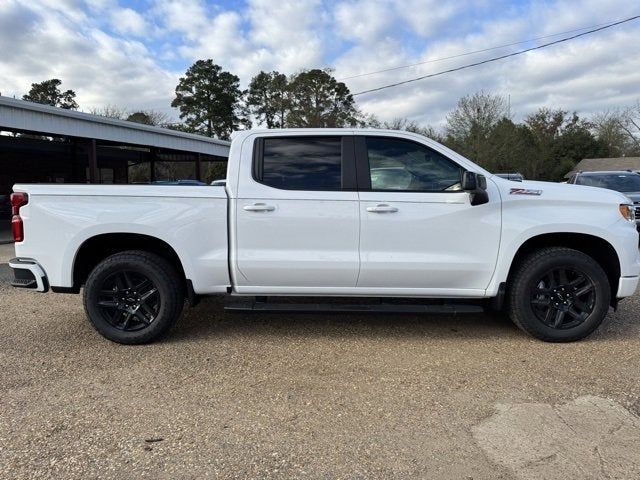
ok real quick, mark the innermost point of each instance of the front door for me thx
(418, 228)
(297, 217)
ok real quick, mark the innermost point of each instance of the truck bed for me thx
(192, 220)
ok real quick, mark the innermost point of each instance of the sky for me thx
(131, 53)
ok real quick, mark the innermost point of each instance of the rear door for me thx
(297, 218)
(418, 228)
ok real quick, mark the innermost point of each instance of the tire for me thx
(557, 307)
(133, 297)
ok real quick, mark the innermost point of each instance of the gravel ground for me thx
(7, 252)
(313, 396)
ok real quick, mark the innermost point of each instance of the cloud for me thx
(128, 21)
(66, 44)
(112, 52)
(363, 21)
(184, 16)
(589, 74)
(428, 17)
(267, 34)
(290, 30)
(220, 38)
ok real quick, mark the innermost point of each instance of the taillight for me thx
(18, 199)
(17, 228)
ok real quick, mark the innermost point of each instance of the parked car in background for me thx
(191, 182)
(623, 181)
(516, 177)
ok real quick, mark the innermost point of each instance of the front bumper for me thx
(28, 274)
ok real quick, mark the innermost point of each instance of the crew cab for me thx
(367, 214)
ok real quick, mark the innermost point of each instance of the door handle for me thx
(382, 208)
(259, 207)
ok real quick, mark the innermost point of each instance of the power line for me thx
(400, 67)
(494, 59)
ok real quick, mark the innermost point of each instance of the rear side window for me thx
(300, 163)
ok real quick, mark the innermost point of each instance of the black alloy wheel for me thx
(563, 298)
(558, 294)
(134, 296)
(129, 300)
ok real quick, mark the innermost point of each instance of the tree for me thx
(546, 146)
(575, 142)
(148, 117)
(470, 123)
(630, 124)
(619, 130)
(110, 111)
(368, 120)
(318, 100)
(209, 100)
(562, 139)
(400, 123)
(180, 127)
(510, 147)
(268, 99)
(546, 124)
(606, 128)
(49, 93)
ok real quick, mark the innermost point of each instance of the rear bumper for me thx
(28, 274)
(627, 286)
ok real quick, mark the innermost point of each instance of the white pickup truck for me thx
(368, 214)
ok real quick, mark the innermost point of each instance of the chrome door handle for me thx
(382, 208)
(259, 207)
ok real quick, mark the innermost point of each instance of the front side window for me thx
(402, 165)
(302, 163)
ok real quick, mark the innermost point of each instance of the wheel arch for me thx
(596, 247)
(95, 249)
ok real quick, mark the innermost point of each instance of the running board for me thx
(448, 309)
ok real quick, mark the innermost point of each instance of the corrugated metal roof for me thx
(34, 117)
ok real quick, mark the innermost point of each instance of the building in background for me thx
(44, 144)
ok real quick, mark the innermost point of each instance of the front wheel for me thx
(133, 297)
(559, 294)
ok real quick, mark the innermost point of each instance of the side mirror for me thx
(482, 182)
(476, 185)
(469, 181)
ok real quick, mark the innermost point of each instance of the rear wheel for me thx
(559, 294)
(133, 297)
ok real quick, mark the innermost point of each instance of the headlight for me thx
(628, 212)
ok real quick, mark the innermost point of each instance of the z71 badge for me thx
(524, 191)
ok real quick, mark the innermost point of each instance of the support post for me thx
(152, 164)
(94, 174)
(75, 175)
(199, 167)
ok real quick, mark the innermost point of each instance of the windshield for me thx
(622, 182)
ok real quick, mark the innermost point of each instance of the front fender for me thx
(621, 235)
